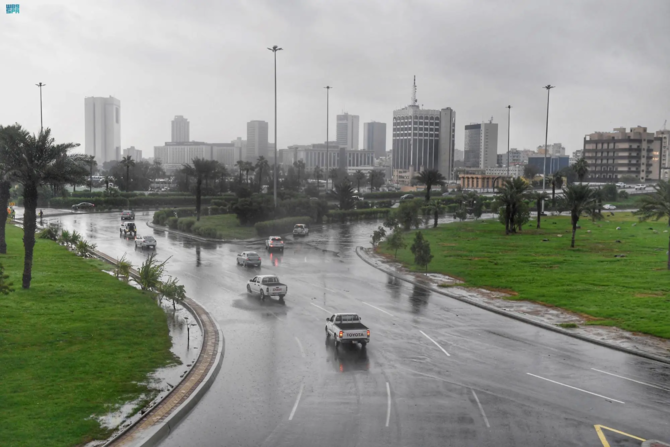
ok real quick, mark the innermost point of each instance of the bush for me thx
(609, 192)
(385, 195)
(171, 222)
(345, 215)
(207, 232)
(186, 224)
(384, 204)
(280, 226)
(623, 195)
(362, 205)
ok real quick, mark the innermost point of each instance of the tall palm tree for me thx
(262, 165)
(35, 161)
(222, 173)
(240, 166)
(373, 177)
(248, 167)
(556, 182)
(344, 191)
(510, 196)
(200, 170)
(334, 175)
(300, 168)
(128, 162)
(579, 199)
(656, 206)
(359, 176)
(317, 173)
(430, 178)
(581, 168)
(90, 161)
(538, 197)
(5, 188)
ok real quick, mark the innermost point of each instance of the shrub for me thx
(623, 195)
(185, 224)
(48, 233)
(172, 222)
(280, 226)
(345, 215)
(207, 232)
(384, 204)
(385, 195)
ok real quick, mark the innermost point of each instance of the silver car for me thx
(249, 258)
(145, 241)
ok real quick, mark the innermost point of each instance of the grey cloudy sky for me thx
(207, 60)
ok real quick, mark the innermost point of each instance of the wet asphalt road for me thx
(437, 371)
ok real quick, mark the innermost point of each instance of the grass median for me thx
(76, 345)
(631, 292)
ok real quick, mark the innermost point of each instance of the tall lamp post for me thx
(546, 136)
(40, 85)
(328, 87)
(509, 114)
(274, 49)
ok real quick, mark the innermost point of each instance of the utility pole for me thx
(509, 114)
(274, 49)
(40, 85)
(546, 136)
(328, 87)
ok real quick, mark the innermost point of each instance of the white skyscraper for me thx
(481, 145)
(257, 141)
(347, 131)
(181, 130)
(103, 128)
(136, 154)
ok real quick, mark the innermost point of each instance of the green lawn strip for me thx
(227, 227)
(631, 293)
(77, 343)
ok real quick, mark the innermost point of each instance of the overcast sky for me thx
(207, 60)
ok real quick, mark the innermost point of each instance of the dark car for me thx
(407, 197)
(83, 206)
(127, 214)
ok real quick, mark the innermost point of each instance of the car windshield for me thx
(150, 239)
(252, 254)
(276, 239)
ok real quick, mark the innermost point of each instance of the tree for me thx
(240, 168)
(172, 290)
(262, 165)
(435, 208)
(376, 179)
(530, 172)
(556, 182)
(579, 199)
(5, 188)
(91, 163)
(378, 235)
(35, 161)
(128, 163)
(430, 178)
(108, 179)
(538, 197)
(200, 170)
(421, 250)
(5, 287)
(335, 176)
(150, 272)
(510, 198)
(359, 176)
(222, 173)
(317, 173)
(408, 214)
(581, 168)
(396, 241)
(656, 206)
(344, 191)
(300, 170)
(609, 192)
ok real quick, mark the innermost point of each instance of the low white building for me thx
(514, 171)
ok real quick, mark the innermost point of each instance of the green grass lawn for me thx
(76, 344)
(226, 226)
(632, 293)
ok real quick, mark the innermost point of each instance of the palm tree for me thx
(579, 199)
(107, 180)
(556, 182)
(248, 167)
(656, 206)
(344, 191)
(128, 162)
(240, 167)
(222, 173)
(538, 197)
(334, 175)
(5, 188)
(372, 178)
(261, 165)
(510, 196)
(300, 168)
(581, 168)
(35, 161)
(200, 170)
(317, 173)
(90, 161)
(359, 176)
(430, 178)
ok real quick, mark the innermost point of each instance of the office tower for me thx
(181, 130)
(136, 154)
(481, 145)
(374, 138)
(257, 140)
(347, 131)
(103, 128)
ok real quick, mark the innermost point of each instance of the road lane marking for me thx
(375, 307)
(327, 311)
(302, 351)
(481, 409)
(578, 389)
(316, 285)
(297, 401)
(388, 406)
(436, 343)
(636, 381)
(603, 439)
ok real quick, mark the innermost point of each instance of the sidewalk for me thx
(549, 318)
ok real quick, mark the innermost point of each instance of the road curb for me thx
(360, 251)
(157, 423)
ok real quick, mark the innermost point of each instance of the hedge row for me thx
(280, 226)
(133, 202)
(345, 215)
(162, 217)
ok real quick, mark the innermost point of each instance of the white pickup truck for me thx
(267, 285)
(347, 328)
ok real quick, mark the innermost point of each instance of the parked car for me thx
(274, 243)
(83, 206)
(145, 241)
(407, 197)
(640, 187)
(621, 185)
(128, 229)
(267, 285)
(347, 328)
(609, 207)
(127, 215)
(300, 230)
(249, 258)
(356, 198)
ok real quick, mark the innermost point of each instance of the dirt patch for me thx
(650, 295)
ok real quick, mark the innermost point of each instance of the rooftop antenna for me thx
(414, 92)
(664, 124)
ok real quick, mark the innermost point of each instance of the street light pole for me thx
(328, 87)
(509, 114)
(40, 85)
(274, 49)
(546, 136)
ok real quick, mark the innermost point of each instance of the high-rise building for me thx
(240, 148)
(554, 149)
(103, 128)
(481, 145)
(347, 131)
(257, 140)
(181, 130)
(663, 138)
(136, 154)
(423, 138)
(374, 138)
